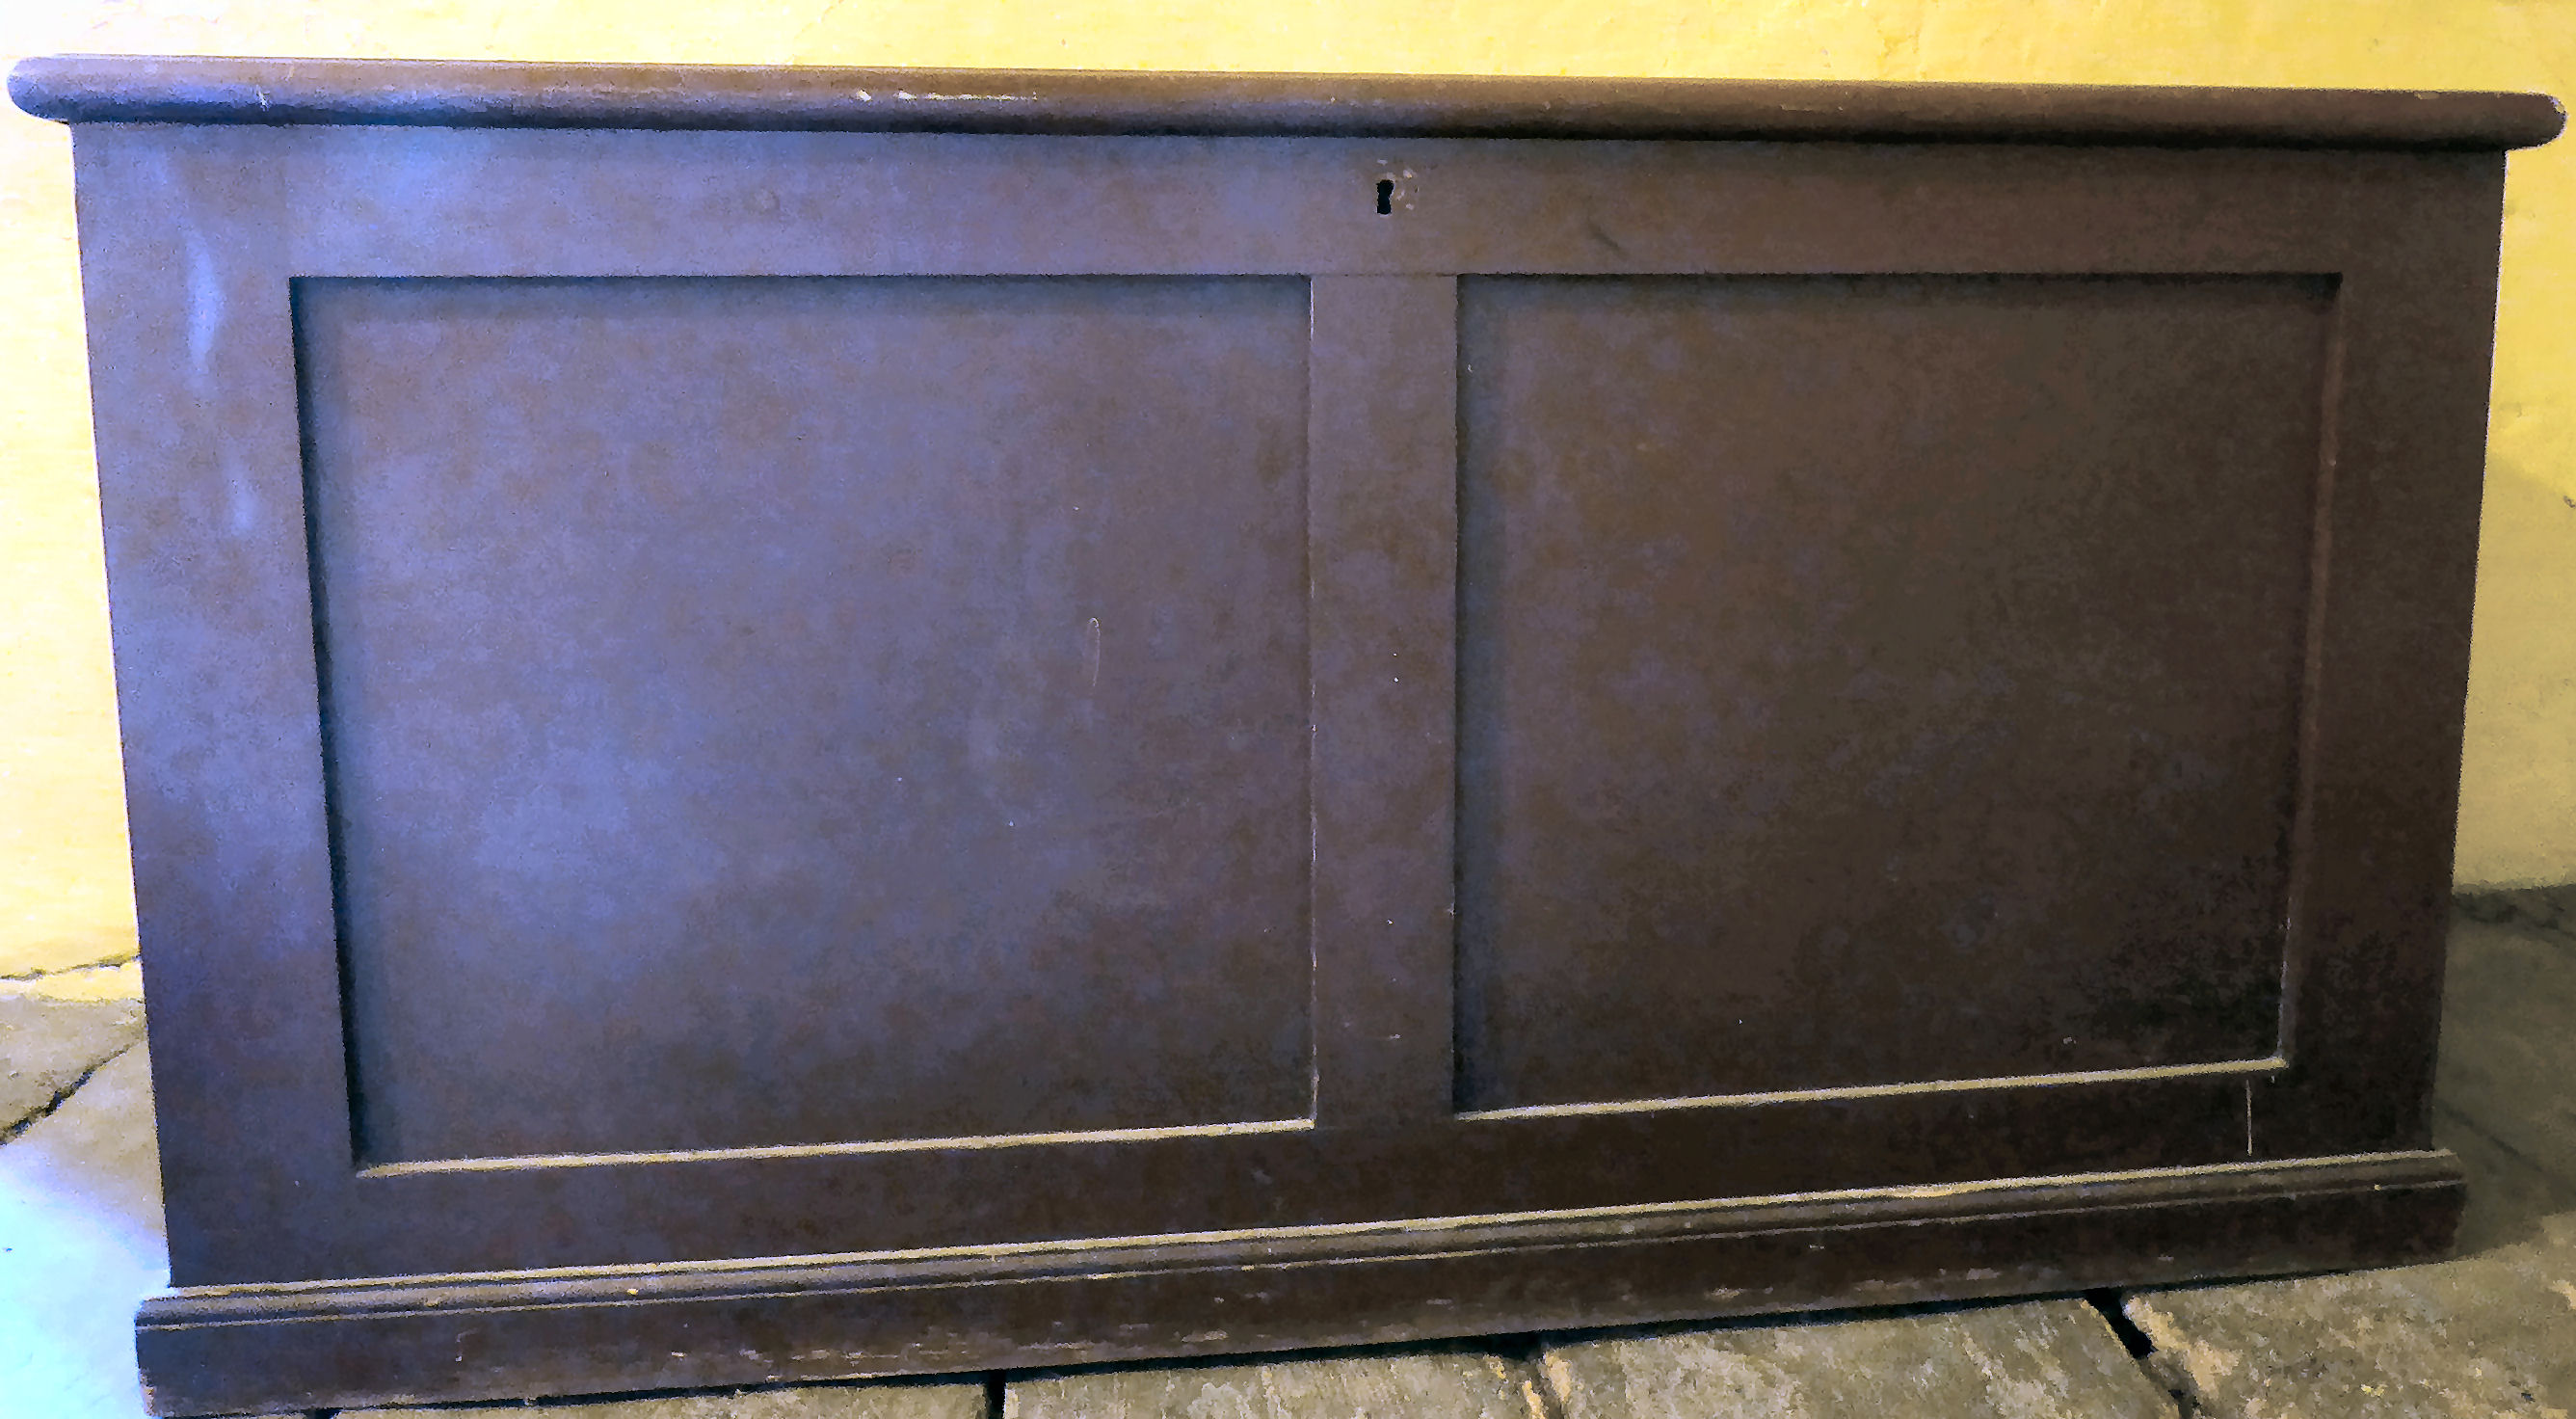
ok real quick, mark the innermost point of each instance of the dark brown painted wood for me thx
(458, 93)
(1852, 656)
(2384, 716)
(217, 695)
(254, 1348)
(1383, 560)
(948, 616)
(725, 705)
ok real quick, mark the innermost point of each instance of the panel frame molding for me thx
(200, 452)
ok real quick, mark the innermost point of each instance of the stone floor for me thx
(2492, 1332)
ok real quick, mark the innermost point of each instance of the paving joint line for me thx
(2171, 1378)
(63, 1095)
(1521, 1358)
(49, 972)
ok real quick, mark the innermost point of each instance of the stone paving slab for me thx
(2056, 1359)
(2510, 1196)
(47, 1046)
(2509, 1038)
(80, 1246)
(948, 1399)
(2491, 1332)
(2491, 1335)
(1434, 1384)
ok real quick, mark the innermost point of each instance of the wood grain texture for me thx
(1463, 1384)
(2043, 1360)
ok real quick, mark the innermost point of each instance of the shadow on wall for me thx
(2518, 766)
(2508, 1059)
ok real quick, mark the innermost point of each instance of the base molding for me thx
(683, 1325)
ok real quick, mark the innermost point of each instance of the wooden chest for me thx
(785, 724)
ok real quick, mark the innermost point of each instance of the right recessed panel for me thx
(1867, 680)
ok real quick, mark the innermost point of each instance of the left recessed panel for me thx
(767, 712)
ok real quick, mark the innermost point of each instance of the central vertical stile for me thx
(1383, 523)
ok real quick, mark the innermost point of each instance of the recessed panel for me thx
(1876, 680)
(775, 712)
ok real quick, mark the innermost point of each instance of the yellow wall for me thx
(64, 896)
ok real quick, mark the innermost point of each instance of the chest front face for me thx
(818, 699)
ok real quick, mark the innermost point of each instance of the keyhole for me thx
(1386, 197)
